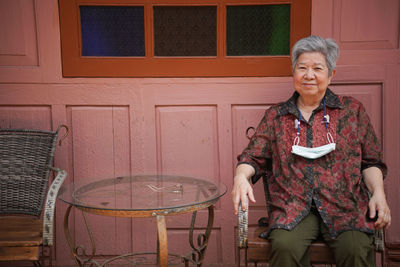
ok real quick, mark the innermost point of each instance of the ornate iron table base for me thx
(195, 257)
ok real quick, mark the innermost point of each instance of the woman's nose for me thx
(309, 74)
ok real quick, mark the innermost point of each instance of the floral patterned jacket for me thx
(333, 181)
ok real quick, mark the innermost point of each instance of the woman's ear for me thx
(332, 74)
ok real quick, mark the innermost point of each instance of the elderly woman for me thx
(319, 156)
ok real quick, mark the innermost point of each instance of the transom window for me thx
(181, 38)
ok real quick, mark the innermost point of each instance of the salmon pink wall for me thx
(187, 126)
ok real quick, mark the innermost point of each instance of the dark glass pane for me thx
(258, 30)
(185, 31)
(115, 31)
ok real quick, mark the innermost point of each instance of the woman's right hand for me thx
(242, 188)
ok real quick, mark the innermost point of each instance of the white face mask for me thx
(313, 152)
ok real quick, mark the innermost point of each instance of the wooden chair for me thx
(256, 249)
(26, 158)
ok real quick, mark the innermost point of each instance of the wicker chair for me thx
(26, 158)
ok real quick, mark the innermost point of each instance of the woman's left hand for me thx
(378, 206)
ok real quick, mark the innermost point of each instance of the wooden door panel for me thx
(187, 141)
(100, 149)
(187, 144)
(371, 97)
(18, 16)
(374, 26)
(26, 117)
(244, 116)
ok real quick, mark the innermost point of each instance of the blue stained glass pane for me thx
(114, 31)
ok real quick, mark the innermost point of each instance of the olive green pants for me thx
(290, 248)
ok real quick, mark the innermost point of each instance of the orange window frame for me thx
(75, 65)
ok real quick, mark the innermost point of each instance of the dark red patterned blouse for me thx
(333, 181)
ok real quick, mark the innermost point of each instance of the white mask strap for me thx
(296, 141)
(330, 138)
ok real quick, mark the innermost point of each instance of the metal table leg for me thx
(88, 259)
(197, 254)
(162, 246)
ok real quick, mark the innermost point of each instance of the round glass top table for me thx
(143, 196)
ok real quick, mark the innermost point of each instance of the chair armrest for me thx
(379, 236)
(379, 240)
(243, 225)
(48, 218)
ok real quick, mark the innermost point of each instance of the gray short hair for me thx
(327, 47)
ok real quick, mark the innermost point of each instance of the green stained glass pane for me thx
(258, 30)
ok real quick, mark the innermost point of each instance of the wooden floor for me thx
(27, 264)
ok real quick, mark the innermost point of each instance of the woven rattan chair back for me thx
(25, 160)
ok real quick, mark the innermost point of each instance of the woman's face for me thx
(311, 76)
